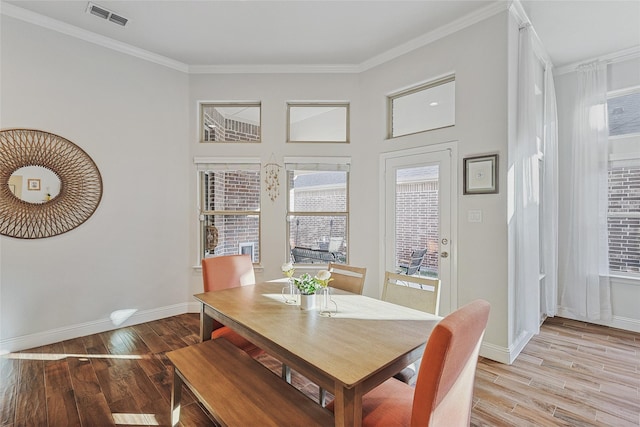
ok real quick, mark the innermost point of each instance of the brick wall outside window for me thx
(217, 128)
(417, 222)
(234, 191)
(624, 219)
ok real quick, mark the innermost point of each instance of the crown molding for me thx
(88, 36)
(73, 31)
(274, 69)
(437, 34)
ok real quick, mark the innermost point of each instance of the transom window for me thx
(230, 122)
(317, 122)
(229, 209)
(317, 210)
(422, 108)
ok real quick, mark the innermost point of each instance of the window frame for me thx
(311, 104)
(230, 104)
(620, 155)
(320, 164)
(205, 164)
(413, 90)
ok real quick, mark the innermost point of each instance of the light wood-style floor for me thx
(572, 374)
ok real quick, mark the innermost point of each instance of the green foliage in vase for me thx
(306, 284)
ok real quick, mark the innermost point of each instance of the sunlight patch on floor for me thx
(60, 356)
(135, 419)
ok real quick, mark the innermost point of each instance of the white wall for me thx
(131, 117)
(478, 57)
(139, 121)
(625, 292)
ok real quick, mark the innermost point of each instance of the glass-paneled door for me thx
(418, 239)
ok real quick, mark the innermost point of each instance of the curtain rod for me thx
(612, 58)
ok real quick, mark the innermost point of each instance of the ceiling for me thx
(330, 33)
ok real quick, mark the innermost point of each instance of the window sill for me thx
(625, 279)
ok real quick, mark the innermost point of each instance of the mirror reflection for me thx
(34, 184)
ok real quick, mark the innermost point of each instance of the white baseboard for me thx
(503, 354)
(88, 328)
(618, 322)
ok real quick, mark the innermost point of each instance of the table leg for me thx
(348, 406)
(176, 396)
(206, 325)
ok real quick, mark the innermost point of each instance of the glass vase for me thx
(289, 292)
(328, 307)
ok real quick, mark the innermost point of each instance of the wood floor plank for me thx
(153, 341)
(61, 408)
(193, 415)
(94, 410)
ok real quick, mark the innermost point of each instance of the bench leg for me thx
(286, 373)
(176, 396)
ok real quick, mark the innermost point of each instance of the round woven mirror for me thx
(48, 185)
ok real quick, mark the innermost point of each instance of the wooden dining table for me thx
(365, 342)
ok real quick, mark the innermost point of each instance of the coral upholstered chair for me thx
(444, 389)
(229, 271)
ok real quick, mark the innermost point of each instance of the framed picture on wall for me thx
(481, 174)
(33, 184)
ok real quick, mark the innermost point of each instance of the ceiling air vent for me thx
(103, 13)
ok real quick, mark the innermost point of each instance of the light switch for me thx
(475, 216)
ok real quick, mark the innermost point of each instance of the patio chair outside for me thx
(412, 266)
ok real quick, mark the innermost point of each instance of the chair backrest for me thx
(444, 388)
(347, 277)
(416, 261)
(419, 293)
(227, 271)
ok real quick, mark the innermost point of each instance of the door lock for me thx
(444, 254)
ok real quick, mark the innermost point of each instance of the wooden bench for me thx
(239, 391)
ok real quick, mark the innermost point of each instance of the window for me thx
(230, 122)
(426, 107)
(317, 122)
(318, 210)
(229, 208)
(624, 182)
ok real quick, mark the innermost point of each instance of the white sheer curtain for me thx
(526, 193)
(550, 191)
(584, 267)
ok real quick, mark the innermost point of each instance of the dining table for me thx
(361, 344)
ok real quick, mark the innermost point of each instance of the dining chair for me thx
(419, 293)
(444, 389)
(224, 272)
(347, 277)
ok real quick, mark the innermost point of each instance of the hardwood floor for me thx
(572, 374)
